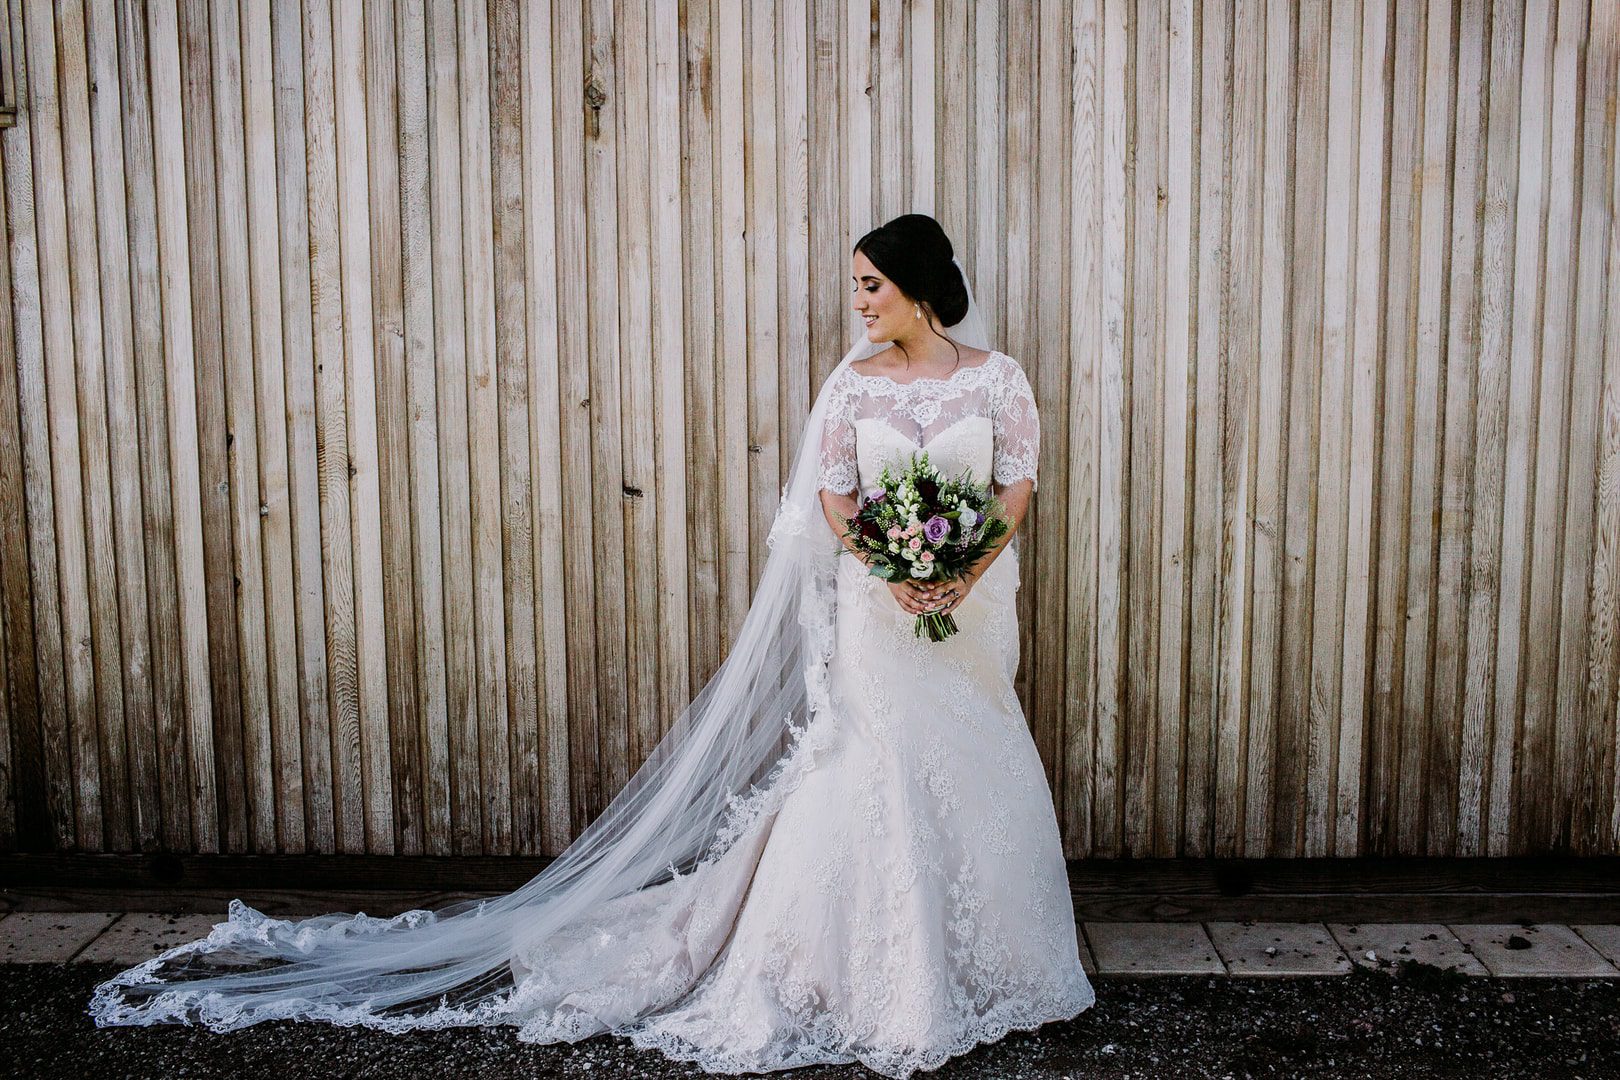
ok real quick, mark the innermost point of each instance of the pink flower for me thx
(894, 532)
(928, 556)
(914, 543)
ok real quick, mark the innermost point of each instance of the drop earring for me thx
(918, 309)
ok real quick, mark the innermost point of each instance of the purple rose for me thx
(875, 494)
(936, 528)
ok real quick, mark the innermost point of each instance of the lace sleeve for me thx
(1018, 431)
(838, 473)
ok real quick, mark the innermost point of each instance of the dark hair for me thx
(913, 252)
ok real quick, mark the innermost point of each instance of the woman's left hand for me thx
(945, 597)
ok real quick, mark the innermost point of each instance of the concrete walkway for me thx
(1239, 949)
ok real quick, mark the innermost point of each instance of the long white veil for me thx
(726, 760)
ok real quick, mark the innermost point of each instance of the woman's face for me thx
(878, 300)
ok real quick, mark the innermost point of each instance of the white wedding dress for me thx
(892, 891)
(903, 897)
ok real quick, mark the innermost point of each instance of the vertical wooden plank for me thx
(859, 91)
(512, 374)
(669, 382)
(138, 724)
(546, 460)
(1266, 639)
(574, 411)
(605, 382)
(49, 773)
(1434, 199)
(303, 456)
(833, 229)
(483, 420)
(1363, 357)
(1019, 337)
(1144, 433)
(431, 729)
(761, 196)
(1206, 500)
(732, 315)
(94, 449)
(1447, 725)
(38, 770)
(387, 316)
(1387, 799)
(953, 127)
(1113, 459)
(1518, 735)
(241, 427)
(202, 246)
(63, 426)
(1607, 553)
(13, 567)
(922, 102)
(450, 355)
(796, 371)
(166, 57)
(354, 226)
(891, 139)
(1045, 529)
(1301, 723)
(1478, 746)
(1243, 422)
(332, 429)
(1083, 390)
(984, 261)
(1587, 658)
(705, 617)
(165, 769)
(1175, 202)
(640, 483)
(84, 258)
(270, 412)
(1548, 770)
(1331, 542)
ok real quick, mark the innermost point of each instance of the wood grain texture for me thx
(397, 396)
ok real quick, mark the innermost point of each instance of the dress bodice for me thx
(980, 420)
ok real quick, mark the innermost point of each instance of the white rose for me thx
(921, 569)
(893, 546)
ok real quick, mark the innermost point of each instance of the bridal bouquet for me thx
(922, 525)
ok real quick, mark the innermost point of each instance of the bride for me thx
(844, 849)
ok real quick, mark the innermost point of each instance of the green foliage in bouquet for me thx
(920, 524)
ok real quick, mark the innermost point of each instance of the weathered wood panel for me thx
(396, 395)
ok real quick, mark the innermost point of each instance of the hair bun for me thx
(913, 251)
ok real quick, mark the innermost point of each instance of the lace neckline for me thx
(986, 362)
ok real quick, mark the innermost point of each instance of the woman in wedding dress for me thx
(845, 849)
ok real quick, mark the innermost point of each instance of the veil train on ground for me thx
(724, 762)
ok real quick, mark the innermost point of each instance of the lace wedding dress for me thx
(843, 850)
(908, 899)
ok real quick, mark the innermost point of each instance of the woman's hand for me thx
(921, 597)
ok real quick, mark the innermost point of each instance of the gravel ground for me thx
(1420, 1022)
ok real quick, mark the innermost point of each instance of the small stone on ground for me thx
(1534, 951)
(1385, 946)
(49, 937)
(1276, 949)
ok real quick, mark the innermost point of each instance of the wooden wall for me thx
(401, 394)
